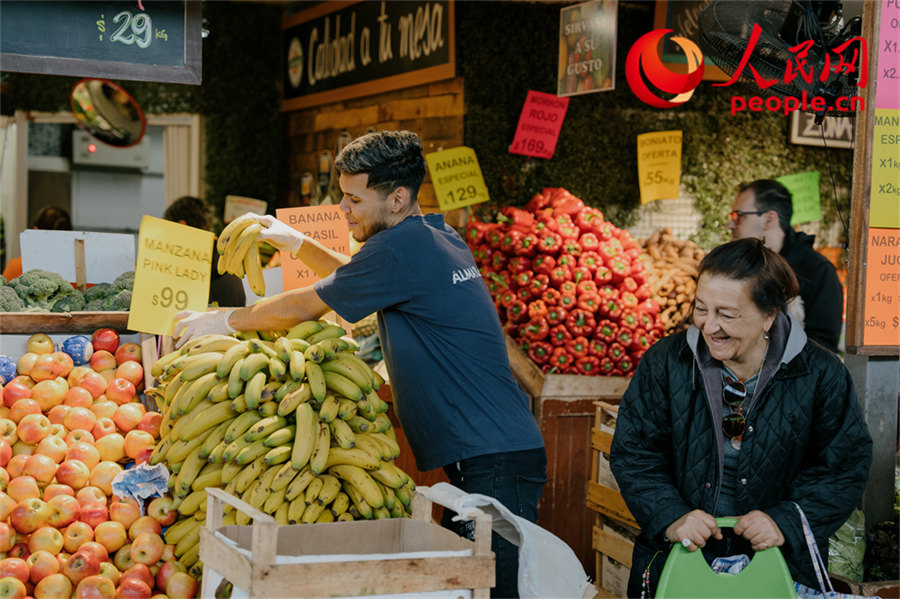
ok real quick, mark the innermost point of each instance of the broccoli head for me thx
(40, 289)
(10, 300)
(2, 281)
(124, 281)
(98, 291)
(120, 301)
(69, 303)
(95, 305)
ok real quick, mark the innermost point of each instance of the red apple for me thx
(122, 558)
(8, 431)
(57, 414)
(53, 447)
(161, 510)
(168, 554)
(94, 382)
(73, 473)
(103, 360)
(120, 390)
(42, 564)
(105, 339)
(132, 588)
(62, 510)
(29, 515)
(41, 467)
(90, 494)
(46, 538)
(127, 416)
(136, 441)
(16, 466)
(166, 570)
(181, 585)
(112, 535)
(77, 373)
(128, 352)
(12, 588)
(80, 418)
(57, 489)
(7, 537)
(79, 434)
(19, 550)
(104, 408)
(111, 446)
(144, 524)
(13, 391)
(125, 510)
(103, 474)
(104, 426)
(39, 343)
(96, 548)
(49, 393)
(109, 570)
(95, 587)
(77, 534)
(80, 565)
(94, 514)
(150, 422)
(132, 372)
(24, 407)
(7, 503)
(33, 428)
(147, 548)
(15, 567)
(5, 452)
(139, 572)
(54, 586)
(78, 397)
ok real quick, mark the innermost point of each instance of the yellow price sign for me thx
(884, 199)
(325, 224)
(457, 178)
(659, 165)
(174, 264)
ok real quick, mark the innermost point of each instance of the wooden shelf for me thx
(27, 323)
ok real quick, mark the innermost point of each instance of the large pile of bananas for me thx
(293, 425)
(239, 252)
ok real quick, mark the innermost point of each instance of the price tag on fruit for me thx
(457, 178)
(539, 125)
(659, 165)
(174, 264)
(325, 224)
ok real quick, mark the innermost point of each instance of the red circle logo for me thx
(644, 61)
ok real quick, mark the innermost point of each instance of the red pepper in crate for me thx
(568, 301)
(481, 253)
(568, 288)
(550, 242)
(588, 365)
(518, 264)
(507, 297)
(629, 300)
(628, 284)
(577, 347)
(516, 218)
(588, 219)
(535, 329)
(643, 292)
(537, 309)
(526, 246)
(649, 307)
(608, 251)
(624, 336)
(589, 242)
(556, 315)
(564, 202)
(543, 263)
(604, 231)
(636, 357)
(567, 261)
(523, 279)
(551, 296)
(602, 275)
(625, 366)
(619, 268)
(510, 240)
(617, 352)
(581, 274)
(611, 308)
(511, 328)
(503, 278)
(640, 341)
(587, 286)
(606, 331)
(525, 294)
(475, 231)
(607, 366)
(493, 238)
(571, 247)
(589, 302)
(598, 348)
(630, 319)
(494, 283)
(580, 322)
(560, 358)
(567, 229)
(590, 260)
(540, 352)
(559, 276)
(539, 283)
(549, 223)
(498, 260)
(517, 311)
(559, 335)
(607, 290)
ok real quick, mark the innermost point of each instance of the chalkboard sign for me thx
(146, 41)
(340, 50)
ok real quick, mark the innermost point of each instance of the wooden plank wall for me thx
(435, 111)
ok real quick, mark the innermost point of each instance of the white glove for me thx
(280, 235)
(189, 324)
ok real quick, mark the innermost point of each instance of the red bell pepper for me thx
(636, 357)
(643, 292)
(598, 348)
(537, 308)
(559, 276)
(619, 268)
(571, 247)
(550, 242)
(602, 275)
(516, 218)
(511, 328)
(510, 240)
(567, 261)
(649, 306)
(499, 260)
(606, 331)
(543, 263)
(549, 223)
(539, 284)
(628, 284)
(568, 301)
(526, 246)
(629, 300)
(523, 278)
(588, 219)
(581, 322)
(540, 352)
(495, 283)
(518, 264)
(551, 296)
(589, 242)
(603, 231)
(640, 341)
(507, 296)
(625, 366)
(517, 311)
(493, 237)
(608, 250)
(559, 335)
(581, 274)
(476, 231)
(607, 366)
(611, 308)
(607, 290)
(588, 365)
(590, 260)
(566, 228)
(587, 286)
(565, 203)
(525, 294)
(589, 302)
(630, 319)
(568, 288)
(560, 358)
(480, 253)
(538, 202)
(536, 329)
(556, 315)
(577, 346)
(617, 352)
(624, 336)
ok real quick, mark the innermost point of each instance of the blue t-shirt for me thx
(443, 345)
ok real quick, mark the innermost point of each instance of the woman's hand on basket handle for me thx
(759, 528)
(693, 529)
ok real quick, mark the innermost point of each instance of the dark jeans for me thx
(516, 479)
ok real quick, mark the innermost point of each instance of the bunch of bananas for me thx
(239, 252)
(292, 423)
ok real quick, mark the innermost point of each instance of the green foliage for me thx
(41, 289)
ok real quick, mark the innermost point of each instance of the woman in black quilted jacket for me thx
(739, 416)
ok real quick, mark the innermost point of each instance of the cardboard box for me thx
(616, 568)
(344, 559)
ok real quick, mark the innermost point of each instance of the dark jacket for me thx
(820, 289)
(806, 442)
(225, 290)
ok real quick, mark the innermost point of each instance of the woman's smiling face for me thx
(729, 321)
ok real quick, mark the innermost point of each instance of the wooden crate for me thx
(343, 559)
(564, 406)
(614, 527)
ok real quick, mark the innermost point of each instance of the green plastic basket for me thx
(686, 574)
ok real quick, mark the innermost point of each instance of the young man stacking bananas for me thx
(460, 407)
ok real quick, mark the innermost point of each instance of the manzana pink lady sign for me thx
(644, 63)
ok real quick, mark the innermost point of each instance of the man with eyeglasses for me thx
(763, 209)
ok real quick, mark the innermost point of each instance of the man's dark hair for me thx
(772, 195)
(771, 279)
(51, 218)
(392, 159)
(193, 211)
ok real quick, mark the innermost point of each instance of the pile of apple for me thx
(68, 426)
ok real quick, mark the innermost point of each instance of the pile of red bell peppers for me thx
(568, 285)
